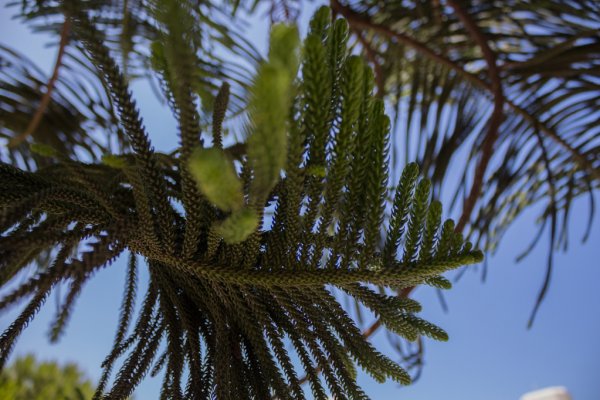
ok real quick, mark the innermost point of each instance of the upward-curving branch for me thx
(224, 297)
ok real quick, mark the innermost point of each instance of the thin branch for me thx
(372, 57)
(495, 119)
(547, 54)
(45, 101)
(359, 21)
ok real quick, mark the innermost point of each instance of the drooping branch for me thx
(495, 119)
(372, 57)
(45, 101)
(359, 21)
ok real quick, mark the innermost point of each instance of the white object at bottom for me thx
(550, 393)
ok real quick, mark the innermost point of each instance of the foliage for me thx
(245, 243)
(228, 286)
(80, 104)
(28, 379)
(448, 66)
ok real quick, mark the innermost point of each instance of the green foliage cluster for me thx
(28, 379)
(433, 72)
(228, 286)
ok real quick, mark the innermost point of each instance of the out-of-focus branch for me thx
(358, 21)
(372, 57)
(495, 119)
(236, 151)
(45, 101)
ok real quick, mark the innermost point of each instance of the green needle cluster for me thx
(234, 290)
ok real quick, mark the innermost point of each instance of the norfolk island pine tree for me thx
(324, 166)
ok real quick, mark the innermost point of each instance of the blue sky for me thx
(491, 355)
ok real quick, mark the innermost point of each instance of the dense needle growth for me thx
(243, 250)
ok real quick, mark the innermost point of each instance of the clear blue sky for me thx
(491, 355)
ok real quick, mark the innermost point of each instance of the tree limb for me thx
(495, 119)
(494, 122)
(359, 21)
(39, 113)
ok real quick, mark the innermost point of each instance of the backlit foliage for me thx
(230, 284)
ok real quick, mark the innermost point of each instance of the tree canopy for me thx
(245, 234)
(28, 379)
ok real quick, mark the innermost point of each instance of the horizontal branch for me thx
(397, 274)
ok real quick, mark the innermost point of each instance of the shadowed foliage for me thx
(228, 286)
(249, 247)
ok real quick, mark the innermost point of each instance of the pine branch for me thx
(362, 22)
(240, 289)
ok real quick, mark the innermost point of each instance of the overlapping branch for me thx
(47, 97)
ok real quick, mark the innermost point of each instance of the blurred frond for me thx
(128, 28)
(77, 120)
